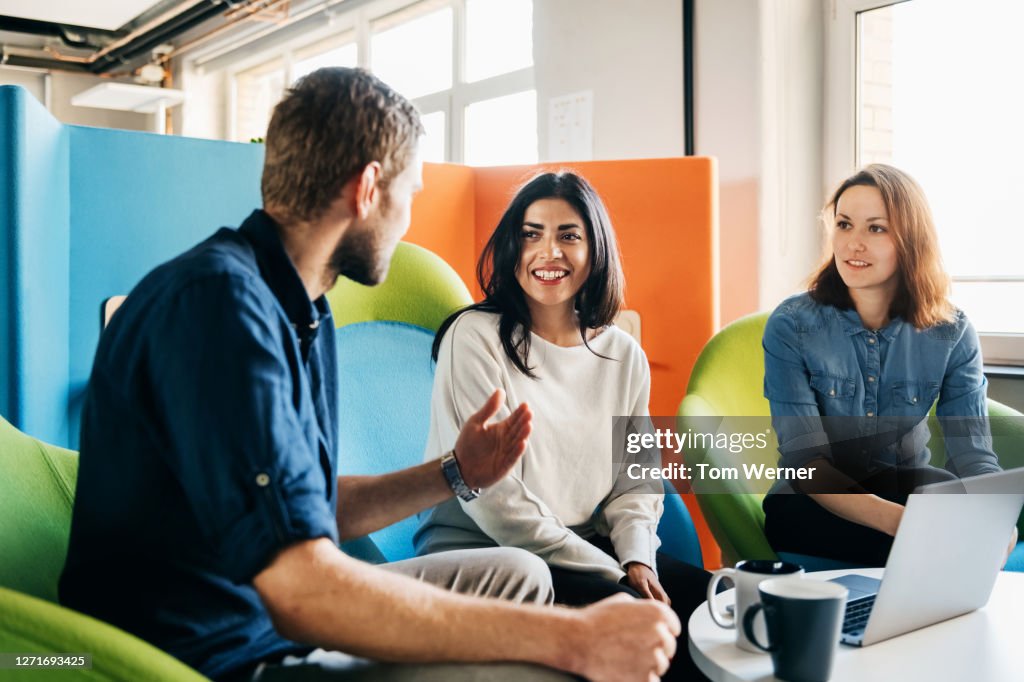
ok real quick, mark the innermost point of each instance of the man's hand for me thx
(642, 579)
(487, 452)
(625, 640)
(1013, 545)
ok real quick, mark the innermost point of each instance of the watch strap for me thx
(452, 474)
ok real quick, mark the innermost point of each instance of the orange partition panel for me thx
(665, 214)
(443, 217)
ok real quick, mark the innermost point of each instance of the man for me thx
(209, 507)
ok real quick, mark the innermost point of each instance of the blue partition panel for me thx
(137, 200)
(84, 214)
(34, 213)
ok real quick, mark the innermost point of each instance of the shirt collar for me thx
(852, 324)
(280, 274)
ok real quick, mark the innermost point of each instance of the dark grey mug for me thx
(803, 620)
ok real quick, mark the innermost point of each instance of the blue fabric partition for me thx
(84, 214)
(34, 257)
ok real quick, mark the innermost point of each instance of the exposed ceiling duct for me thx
(100, 51)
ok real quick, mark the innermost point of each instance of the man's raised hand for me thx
(487, 452)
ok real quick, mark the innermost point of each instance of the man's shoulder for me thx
(217, 277)
(224, 263)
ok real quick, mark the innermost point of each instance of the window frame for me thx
(842, 129)
(360, 21)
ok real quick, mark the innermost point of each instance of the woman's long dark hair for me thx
(598, 300)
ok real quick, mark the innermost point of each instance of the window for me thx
(331, 52)
(923, 86)
(502, 130)
(414, 56)
(466, 64)
(498, 37)
(257, 91)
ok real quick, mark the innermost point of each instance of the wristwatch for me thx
(452, 474)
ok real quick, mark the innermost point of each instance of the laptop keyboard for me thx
(857, 613)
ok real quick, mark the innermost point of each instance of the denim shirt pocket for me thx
(913, 398)
(835, 393)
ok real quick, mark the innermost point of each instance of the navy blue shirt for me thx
(208, 444)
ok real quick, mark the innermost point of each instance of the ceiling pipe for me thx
(72, 36)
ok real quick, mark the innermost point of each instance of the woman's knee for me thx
(526, 575)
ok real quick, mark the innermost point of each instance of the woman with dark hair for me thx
(853, 366)
(552, 287)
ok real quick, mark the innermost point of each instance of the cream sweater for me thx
(559, 492)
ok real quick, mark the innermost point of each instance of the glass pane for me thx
(433, 143)
(499, 37)
(415, 57)
(986, 304)
(257, 92)
(943, 110)
(502, 131)
(346, 55)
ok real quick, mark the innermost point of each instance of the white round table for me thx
(986, 645)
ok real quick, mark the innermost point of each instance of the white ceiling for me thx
(106, 14)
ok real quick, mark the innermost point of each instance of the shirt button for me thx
(832, 391)
(914, 399)
(871, 414)
(262, 480)
(871, 380)
(871, 339)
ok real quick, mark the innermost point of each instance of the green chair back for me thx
(37, 486)
(420, 289)
(727, 380)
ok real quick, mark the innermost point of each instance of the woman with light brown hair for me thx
(852, 368)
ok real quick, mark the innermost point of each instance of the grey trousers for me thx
(500, 572)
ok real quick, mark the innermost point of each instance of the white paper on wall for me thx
(571, 127)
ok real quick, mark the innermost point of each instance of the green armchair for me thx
(727, 380)
(37, 484)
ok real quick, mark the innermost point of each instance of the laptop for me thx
(944, 560)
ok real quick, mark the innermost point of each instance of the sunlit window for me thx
(308, 61)
(947, 113)
(434, 144)
(499, 37)
(467, 64)
(502, 130)
(414, 57)
(257, 90)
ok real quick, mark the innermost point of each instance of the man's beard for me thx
(358, 257)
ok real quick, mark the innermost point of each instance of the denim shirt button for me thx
(871, 380)
(914, 399)
(262, 480)
(871, 414)
(871, 339)
(832, 391)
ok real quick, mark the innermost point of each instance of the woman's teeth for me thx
(550, 275)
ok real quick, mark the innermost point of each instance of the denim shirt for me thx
(831, 383)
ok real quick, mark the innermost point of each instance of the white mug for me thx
(746, 576)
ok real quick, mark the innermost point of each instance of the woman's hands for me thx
(487, 452)
(642, 579)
